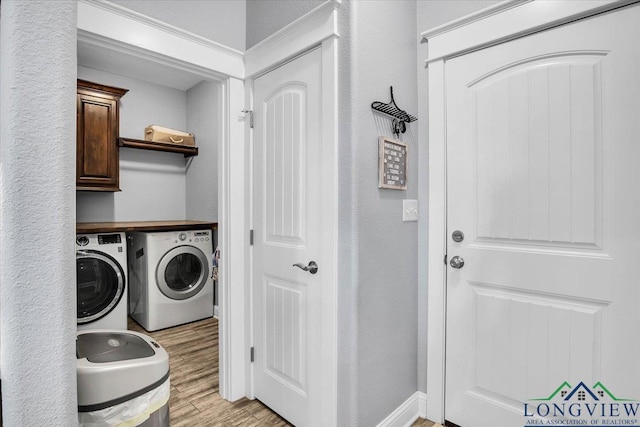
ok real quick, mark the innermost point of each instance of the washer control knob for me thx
(82, 240)
(182, 236)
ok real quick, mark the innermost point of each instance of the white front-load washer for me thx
(170, 278)
(101, 277)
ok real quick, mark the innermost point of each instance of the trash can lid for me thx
(104, 347)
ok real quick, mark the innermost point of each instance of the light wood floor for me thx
(194, 400)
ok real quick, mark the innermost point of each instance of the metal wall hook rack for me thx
(400, 117)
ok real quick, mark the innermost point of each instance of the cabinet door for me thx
(97, 167)
(97, 143)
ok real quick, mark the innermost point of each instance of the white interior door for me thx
(543, 162)
(288, 229)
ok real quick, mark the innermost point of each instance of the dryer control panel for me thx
(201, 236)
(191, 236)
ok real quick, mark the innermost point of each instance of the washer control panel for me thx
(83, 240)
(109, 239)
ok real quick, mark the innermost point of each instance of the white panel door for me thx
(543, 161)
(287, 230)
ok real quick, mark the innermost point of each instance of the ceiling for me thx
(139, 66)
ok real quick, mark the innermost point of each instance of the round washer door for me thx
(100, 285)
(182, 272)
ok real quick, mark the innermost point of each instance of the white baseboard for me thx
(422, 404)
(216, 312)
(413, 408)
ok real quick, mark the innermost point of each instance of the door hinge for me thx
(445, 259)
(250, 112)
(250, 237)
(251, 354)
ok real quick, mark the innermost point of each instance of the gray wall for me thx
(152, 183)
(378, 263)
(37, 205)
(347, 269)
(223, 21)
(433, 13)
(430, 14)
(265, 17)
(382, 304)
(202, 179)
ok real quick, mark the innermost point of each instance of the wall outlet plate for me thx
(409, 210)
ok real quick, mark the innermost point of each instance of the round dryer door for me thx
(100, 285)
(182, 272)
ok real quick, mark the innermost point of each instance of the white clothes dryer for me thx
(170, 277)
(101, 277)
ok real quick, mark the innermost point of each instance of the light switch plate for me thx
(409, 210)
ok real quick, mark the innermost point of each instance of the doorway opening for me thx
(166, 186)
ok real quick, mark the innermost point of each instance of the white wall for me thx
(203, 119)
(223, 21)
(152, 183)
(37, 213)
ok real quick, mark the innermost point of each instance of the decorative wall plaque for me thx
(392, 166)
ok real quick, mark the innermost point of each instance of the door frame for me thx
(115, 28)
(502, 22)
(318, 28)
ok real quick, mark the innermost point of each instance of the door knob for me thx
(457, 236)
(456, 262)
(311, 268)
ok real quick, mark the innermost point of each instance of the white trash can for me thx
(123, 380)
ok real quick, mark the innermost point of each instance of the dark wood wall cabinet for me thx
(97, 160)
